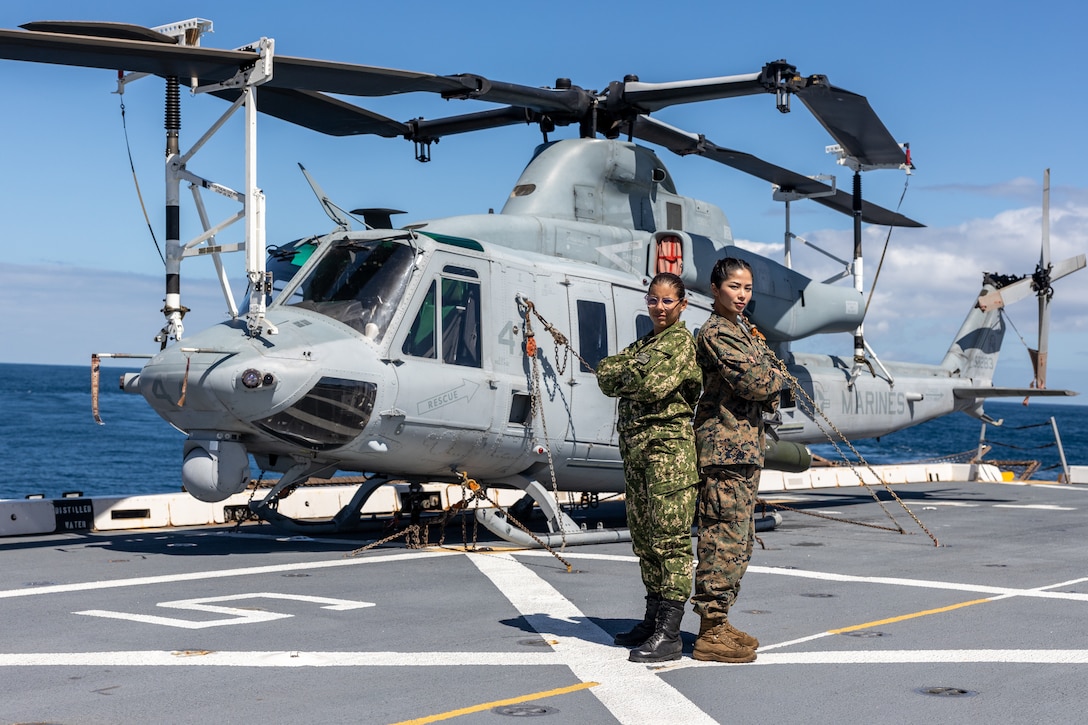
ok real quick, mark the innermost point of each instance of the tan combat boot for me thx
(738, 636)
(717, 645)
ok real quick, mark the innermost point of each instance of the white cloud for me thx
(1020, 189)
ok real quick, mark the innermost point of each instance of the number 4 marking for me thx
(234, 615)
(507, 338)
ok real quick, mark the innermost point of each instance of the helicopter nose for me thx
(234, 396)
(202, 386)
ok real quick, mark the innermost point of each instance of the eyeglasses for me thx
(667, 302)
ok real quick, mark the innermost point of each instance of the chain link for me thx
(535, 397)
(813, 411)
(416, 536)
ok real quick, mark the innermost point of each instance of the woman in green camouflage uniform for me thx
(658, 383)
(740, 383)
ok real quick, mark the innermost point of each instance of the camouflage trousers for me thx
(661, 491)
(727, 497)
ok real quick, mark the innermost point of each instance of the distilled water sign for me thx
(73, 514)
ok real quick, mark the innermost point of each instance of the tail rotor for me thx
(1040, 282)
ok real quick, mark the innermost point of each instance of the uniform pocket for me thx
(728, 493)
(670, 464)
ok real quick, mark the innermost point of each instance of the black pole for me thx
(859, 339)
(173, 214)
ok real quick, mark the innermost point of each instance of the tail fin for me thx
(973, 353)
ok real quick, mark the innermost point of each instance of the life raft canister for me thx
(670, 255)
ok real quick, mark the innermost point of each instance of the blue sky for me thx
(987, 100)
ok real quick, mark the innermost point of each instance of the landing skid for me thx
(563, 530)
(346, 519)
(498, 523)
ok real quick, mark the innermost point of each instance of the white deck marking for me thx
(235, 615)
(295, 658)
(920, 583)
(1007, 595)
(633, 693)
(631, 672)
(893, 581)
(1035, 506)
(922, 656)
(222, 573)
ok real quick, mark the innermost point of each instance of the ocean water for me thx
(51, 444)
(1026, 433)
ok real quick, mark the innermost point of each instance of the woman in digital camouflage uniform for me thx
(658, 383)
(741, 382)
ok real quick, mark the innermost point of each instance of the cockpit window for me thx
(282, 264)
(285, 261)
(359, 283)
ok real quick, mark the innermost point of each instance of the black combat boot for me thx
(664, 644)
(641, 631)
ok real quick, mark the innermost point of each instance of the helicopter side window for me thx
(643, 326)
(421, 336)
(592, 333)
(420, 340)
(357, 283)
(448, 320)
(461, 322)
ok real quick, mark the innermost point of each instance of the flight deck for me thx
(857, 624)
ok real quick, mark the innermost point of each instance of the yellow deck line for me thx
(905, 617)
(498, 703)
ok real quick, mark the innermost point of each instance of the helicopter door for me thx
(593, 336)
(444, 391)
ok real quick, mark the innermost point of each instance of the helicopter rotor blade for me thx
(845, 115)
(116, 49)
(1040, 355)
(118, 46)
(685, 143)
(321, 113)
(1045, 294)
(851, 121)
(329, 115)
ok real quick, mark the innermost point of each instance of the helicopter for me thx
(418, 354)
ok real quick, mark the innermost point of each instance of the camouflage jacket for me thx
(657, 381)
(740, 382)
